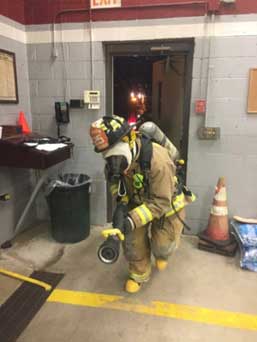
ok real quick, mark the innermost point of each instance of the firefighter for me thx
(143, 174)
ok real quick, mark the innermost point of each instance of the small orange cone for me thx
(23, 123)
(216, 237)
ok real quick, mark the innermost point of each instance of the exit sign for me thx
(105, 3)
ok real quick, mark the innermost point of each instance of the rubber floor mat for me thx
(20, 308)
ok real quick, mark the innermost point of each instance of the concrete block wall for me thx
(234, 155)
(15, 181)
(64, 78)
(233, 53)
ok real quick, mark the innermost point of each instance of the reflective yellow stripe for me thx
(102, 126)
(178, 203)
(125, 199)
(115, 124)
(114, 189)
(141, 277)
(193, 198)
(144, 213)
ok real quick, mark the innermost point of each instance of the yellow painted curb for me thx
(18, 276)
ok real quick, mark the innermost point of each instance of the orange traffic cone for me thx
(23, 123)
(217, 229)
(216, 237)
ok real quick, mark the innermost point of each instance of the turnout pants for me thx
(158, 238)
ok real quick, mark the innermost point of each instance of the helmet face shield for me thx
(116, 166)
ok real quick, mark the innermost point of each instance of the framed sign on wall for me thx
(8, 78)
(252, 93)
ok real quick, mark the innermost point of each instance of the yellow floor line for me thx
(177, 311)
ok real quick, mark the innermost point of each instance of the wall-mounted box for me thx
(200, 106)
(209, 133)
(76, 103)
(92, 99)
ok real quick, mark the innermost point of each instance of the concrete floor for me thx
(193, 278)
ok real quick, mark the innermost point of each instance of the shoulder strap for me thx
(145, 161)
(145, 153)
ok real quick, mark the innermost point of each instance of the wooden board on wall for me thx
(8, 78)
(252, 94)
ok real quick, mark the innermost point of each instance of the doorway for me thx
(151, 88)
(152, 80)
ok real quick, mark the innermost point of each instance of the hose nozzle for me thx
(109, 250)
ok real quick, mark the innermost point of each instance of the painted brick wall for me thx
(235, 154)
(64, 78)
(16, 182)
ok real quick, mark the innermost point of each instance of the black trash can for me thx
(68, 199)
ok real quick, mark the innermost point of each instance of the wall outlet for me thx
(209, 133)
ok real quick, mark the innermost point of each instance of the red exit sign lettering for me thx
(105, 3)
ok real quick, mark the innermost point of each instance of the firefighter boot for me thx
(132, 286)
(161, 264)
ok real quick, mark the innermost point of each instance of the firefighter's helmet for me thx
(108, 131)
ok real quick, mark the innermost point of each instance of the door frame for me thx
(144, 48)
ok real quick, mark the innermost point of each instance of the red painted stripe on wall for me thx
(13, 9)
(44, 11)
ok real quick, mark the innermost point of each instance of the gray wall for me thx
(66, 77)
(235, 154)
(16, 182)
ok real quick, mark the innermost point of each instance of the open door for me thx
(168, 97)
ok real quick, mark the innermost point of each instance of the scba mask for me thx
(116, 166)
(118, 160)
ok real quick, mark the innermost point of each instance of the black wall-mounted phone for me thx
(62, 115)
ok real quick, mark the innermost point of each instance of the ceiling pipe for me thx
(92, 83)
(59, 14)
(72, 11)
(172, 4)
(210, 6)
(210, 69)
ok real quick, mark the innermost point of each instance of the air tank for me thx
(156, 134)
